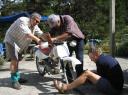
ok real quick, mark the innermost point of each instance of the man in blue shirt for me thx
(108, 80)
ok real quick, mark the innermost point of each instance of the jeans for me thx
(79, 50)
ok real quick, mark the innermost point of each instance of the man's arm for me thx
(33, 37)
(62, 37)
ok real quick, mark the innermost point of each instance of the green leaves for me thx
(92, 16)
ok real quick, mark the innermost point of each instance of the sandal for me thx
(59, 86)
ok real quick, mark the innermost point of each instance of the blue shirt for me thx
(109, 68)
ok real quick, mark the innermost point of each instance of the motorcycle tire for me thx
(40, 67)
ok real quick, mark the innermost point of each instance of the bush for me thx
(105, 47)
(2, 60)
(122, 50)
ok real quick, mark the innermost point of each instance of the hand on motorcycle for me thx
(53, 39)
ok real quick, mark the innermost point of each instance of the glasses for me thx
(37, 20)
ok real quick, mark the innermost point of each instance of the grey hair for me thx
(94, 50)
(33, 15)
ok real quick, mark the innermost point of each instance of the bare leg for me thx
(93, 77)
(13, 55)
(14, 66)
(81, 80)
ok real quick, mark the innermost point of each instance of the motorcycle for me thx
(57, 56)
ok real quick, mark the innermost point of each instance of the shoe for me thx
(16, 85)
(21, 80)
(59, 86)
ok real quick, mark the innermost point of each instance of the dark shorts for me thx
(104, 86)
(11, 52)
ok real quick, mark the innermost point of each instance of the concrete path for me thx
(38, 85)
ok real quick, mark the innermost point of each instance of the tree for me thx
(92, 16)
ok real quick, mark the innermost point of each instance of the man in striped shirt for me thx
(17, 38)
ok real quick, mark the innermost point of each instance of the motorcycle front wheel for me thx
(70, 73)
(40, 67)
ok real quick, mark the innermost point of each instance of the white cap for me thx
(53, 20)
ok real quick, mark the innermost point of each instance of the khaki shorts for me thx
(11, 52)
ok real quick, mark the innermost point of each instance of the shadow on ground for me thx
(45, 85)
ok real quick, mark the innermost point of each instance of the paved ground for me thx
(38, 85)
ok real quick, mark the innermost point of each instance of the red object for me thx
(45, 50)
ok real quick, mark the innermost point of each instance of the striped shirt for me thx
(16, 35)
